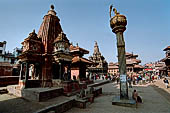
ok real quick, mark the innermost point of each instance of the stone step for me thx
(35, 94)
(98, 83)
(58, 108)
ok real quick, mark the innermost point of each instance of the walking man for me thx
(166, 82)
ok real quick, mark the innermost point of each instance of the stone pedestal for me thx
(35, 94)
(123, 102)
(67, 86)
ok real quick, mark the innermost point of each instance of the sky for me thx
(87, 21)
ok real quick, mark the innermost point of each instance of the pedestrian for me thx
(103, 77)
(117, 79)
(152, 78)
(130, 82)
(143, 80)
(137, 98)
(166, 82)
(134, 96)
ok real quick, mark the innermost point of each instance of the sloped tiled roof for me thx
(167, 48)
(138, 66)
(80, 59)
(77, 48)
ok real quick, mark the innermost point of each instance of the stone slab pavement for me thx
(153, 101)
(12, 104)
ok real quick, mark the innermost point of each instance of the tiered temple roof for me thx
(78, 53)
(167, 59)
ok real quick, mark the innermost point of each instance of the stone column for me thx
(118, 24)
(60, 71)
(27, 75)
(21, 72)
(69, 72)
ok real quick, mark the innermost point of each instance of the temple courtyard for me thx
(156, 99)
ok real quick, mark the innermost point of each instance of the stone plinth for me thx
(123, 102)
(67, 86)
(8, 80)
(83, 85)
(70, 87)
(58, 108)
(35, 94)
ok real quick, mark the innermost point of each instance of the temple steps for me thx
(35, 94)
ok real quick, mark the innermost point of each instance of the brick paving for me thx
(153, 101)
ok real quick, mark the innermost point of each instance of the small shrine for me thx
(30, 61)
(99, 65)
(62, 58)
(79, 64)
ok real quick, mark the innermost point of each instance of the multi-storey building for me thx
(132, 65)
(167, 60)
(8, 60)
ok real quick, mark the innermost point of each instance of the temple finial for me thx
(51, 11)
(52, 7)
(33, 31)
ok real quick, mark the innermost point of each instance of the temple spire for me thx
(49, 30)
(96, 48)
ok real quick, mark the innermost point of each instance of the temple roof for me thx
(138, 66)
(113, 66)
(80, 59)
(167, 48)
(61, 38)
(131, 54)
(78, 49)
(32, 36)
(165, 59)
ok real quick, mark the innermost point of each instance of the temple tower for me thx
(99, 63)
(48, 32)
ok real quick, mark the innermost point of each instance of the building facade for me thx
(8, 61)
(167, 60)
(133, 66)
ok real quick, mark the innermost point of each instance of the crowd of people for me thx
(137, 79)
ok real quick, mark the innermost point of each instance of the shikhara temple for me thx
(48, 59)
(99, 65)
